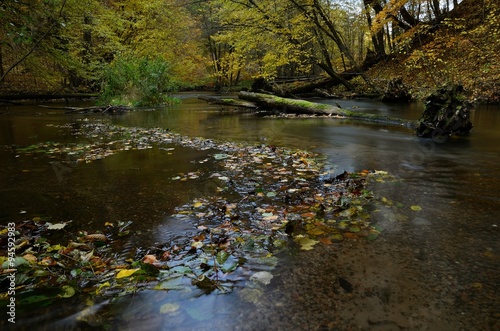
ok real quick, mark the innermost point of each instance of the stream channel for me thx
(435, 264)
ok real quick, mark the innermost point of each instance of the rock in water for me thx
(446, 112)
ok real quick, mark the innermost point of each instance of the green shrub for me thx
(137, 82)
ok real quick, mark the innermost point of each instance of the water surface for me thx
(433, 269)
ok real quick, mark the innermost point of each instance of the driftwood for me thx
(48, 96)
(228, 102)
(95, 109)
(294, 106)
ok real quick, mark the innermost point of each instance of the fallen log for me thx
(295, 106)
(228, 102)
(95, 109)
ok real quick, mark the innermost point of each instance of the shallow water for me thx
(433, 269)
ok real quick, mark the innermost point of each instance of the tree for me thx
(25, 28)
(67, 44)
(298, 35)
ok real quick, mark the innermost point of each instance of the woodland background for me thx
(69, 46)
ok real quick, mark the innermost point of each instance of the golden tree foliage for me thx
(73, 40)
(268, 35)
(390, 10)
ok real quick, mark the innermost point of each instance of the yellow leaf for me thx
(54, 248)
(107, 284)
(306, 243)
(197, 204)
(416, 208)
(126, 273)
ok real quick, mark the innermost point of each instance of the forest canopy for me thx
(68, 45)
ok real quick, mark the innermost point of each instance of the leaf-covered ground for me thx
(266, 199)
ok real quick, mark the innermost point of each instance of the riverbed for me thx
(434, 266)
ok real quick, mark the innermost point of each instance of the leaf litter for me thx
(268, 198)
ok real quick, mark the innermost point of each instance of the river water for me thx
(435, 266)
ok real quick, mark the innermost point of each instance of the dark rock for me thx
(446, 112)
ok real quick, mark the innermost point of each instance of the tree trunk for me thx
(294, 106)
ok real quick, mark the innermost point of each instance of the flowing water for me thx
(435, 266)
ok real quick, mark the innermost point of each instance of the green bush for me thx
(137, 82)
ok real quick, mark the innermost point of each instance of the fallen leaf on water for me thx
(149, 259)
(263, 277)
(95, 237)
(30, 257)
(106, 284)
(326, 241)
(125, 273)
(416, 208)
(168, 308)
(350, 235)
(306, 243)
(67, 291)
(57, 226)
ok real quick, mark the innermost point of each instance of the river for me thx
(435, 265)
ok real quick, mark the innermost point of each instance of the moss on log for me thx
(228, 102)
(295, 106)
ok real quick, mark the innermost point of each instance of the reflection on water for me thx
(450, 241)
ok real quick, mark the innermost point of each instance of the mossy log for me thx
(228, 102)
(295, 106)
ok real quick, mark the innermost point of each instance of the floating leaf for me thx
(30, 257)
(316, 231)
(306, 243)
(169, 308)
(416, 208)
(221, 156)
(18, 261)
(54, 248)
(67, 291)
(221, 257)
(337, 237)
(126, 273)
(197, 204)
(99, 289)
(250, 294)
(354, 229)
(326, 241)
(206, 284)
(263, 277)
(176, 283)
(230, 264)
(150, 259)
(57, 226)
